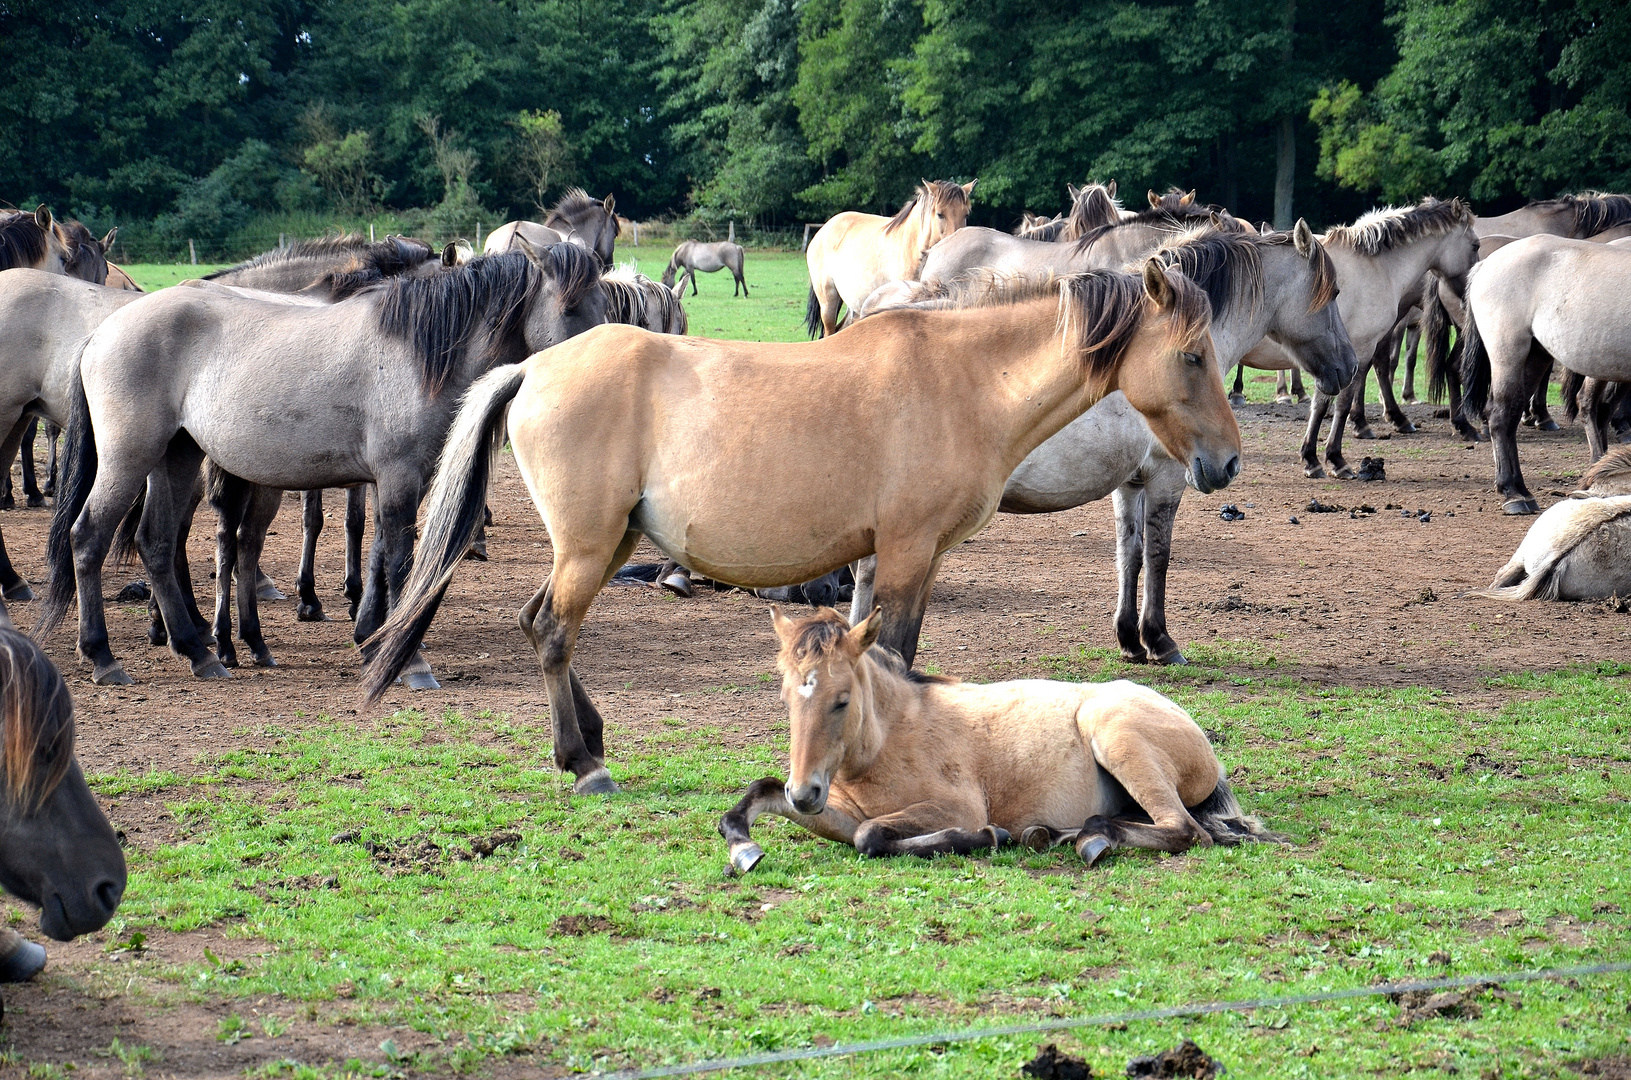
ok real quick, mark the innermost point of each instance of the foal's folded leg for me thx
(920, 829)
(769, 796)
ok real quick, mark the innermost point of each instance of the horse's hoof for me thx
(229, 659)
(211, 668)
(420, 680)
(1139, 657)
(1519, 507)
(310, 613)
(745, 857)
(1549, 425)
(1038, 838)
(36, 501)
(26, 961)
(1237, 399)
(19, 592)
(1284, 399)
(8, 503)
(678, 584)
(265, 659)
(1314, 472)
(1000, 837)
(268, 591)
(1404, 428)
(477, 552)
(598, 782)
(1409, 399)
(1343, 472)
(1092, 849)
(112, 676)
(1174, 658)
(157, 636)
(1364, 433)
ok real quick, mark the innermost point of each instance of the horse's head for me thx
(668, 273)
(568, 300)
(826, 691)
(587, 221)
(88, 259)
(1459, 252)
(945, 207)
(57, 849)
(1168, 370)
(1307, 321)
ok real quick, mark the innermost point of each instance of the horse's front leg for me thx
(1412, 344)
(861, 600)
(1128, 500)
(172, 490)
(1339, 419)
(1163, 492)
(398, 494)
(52, 434)
(356, 518)
(310, 608)
(261, 509)
(1387, 364)
(1507, 402)
(769, 796)
(1539, 414)
(927, 828)
(31, 485)
(229, 501)
(1310, 448)
(1237, 396)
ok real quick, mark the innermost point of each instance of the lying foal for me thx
(896, 762)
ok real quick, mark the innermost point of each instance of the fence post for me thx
(478, 236)
(370, 232)
(281, 242)
(192, 252)
(636, 227)
(731, 236)
(804, 245)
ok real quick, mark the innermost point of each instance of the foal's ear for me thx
(1303, 237)
(42, 217)
(863, 637)
(107, 241)
(1156, 285)
(519, 241)
(784, 626)
(450, 253)
(1073, 191)
(1187, 199)
(610, 204)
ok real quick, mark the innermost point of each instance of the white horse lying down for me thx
(900, 763)
(1580, 549)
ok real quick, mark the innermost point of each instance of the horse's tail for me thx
(78, 475)
(458, 496)
(1435, 336)
(812, 314)
(1475, 370)
(1223, 819)
(123, 550)
(1572, 382)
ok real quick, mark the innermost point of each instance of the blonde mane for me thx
(1388, 227)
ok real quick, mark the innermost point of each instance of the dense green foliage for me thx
(196, 119)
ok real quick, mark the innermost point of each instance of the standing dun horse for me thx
(705, 447)
(893, 762)
(854, 253)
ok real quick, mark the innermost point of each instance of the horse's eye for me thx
(1193, 358)
(840, 703)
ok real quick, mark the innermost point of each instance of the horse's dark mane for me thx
(1389, 226)
(1595, 211)
(389, 257)
(576, 206)
(440, 316)
(1093, 208)
(1228, 268)
(938, 192)
(38, 713)
(22, 241)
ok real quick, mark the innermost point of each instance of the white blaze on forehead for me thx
(808, 689)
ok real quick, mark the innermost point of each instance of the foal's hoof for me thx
(267, 591)
(1038, 838)
(1519, 507)
(19, 592)
(26, 961)
(1237, 399)
(37, 501)
(599, 782)
(1175, 658)
(111, 676)
(745, 857)
(1092, 848)
(678, 584)
(310, 613)
(211, 668)
(1549, 425)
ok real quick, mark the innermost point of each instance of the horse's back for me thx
(1568, 295)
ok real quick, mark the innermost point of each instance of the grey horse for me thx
(288, 395)
(578, 218)
(694, 257)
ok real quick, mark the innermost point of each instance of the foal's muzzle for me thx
(808, 798)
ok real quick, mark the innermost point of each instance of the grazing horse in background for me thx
(854, 253)
(372, 381)
(315, 264)
(1281, 284)
(1580, 549)
(694, 257)
(1541, 299)
(578, 218)
(635, 299)
(894, 762)
(1380, 260)
(706, 448)
(57, 849)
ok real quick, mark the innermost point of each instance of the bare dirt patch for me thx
(1347, 598)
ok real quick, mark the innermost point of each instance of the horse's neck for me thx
(912, 242)
(1399, 268)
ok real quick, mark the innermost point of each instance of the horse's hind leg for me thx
(920, 829)
(309, 609)
(1512, 380)
(356, 518)
(229, 498)
(1333, 443)
(1237, 396)
(170, 490)
(1298, 391)
(1146, 772)
(156, 631)
(861, 600)
(52, 435)
(31, 485)
(1129, 503)
(1412, 343)
(1162, 494)
(8, 454)
(550, 621)
(1387, 363)
(1539, 416)
(1310, 452)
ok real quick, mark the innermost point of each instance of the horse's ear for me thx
(1155, 200)
(1073, 191)
(1217, 222)
(1156, 285)
(1111, 188)
(107, 241)
(968, 188)
(784, 626)
(862, 637)
(610, 204)
(519, 241)
(1303, 236)
(1264, 228)
(1187, 199)
(450, 253)
(42, 217)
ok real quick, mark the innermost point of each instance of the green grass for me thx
(1413, 821)
(151, 276)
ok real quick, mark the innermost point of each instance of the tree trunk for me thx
(1285, 169)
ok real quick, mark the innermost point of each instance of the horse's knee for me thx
(874, 840)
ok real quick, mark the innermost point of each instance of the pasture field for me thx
(309, 896)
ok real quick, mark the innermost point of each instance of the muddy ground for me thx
(1366, 600)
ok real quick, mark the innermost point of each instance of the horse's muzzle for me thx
(808, 798)
(1207, 477)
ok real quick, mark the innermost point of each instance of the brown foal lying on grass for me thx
(896, 762)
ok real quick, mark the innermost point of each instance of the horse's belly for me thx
(1088, 459)
(754, 546)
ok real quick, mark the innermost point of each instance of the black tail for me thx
(812, 315)
(1572, 382)
(1223, 819)
(1435, 336)
(458, 499)
(123, 551)
(74, 482)
(1475, 373)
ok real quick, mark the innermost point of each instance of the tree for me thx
(540, 152)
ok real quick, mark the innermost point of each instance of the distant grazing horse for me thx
(854, 253)
(1580, 549)
(706, 448)
(57, 850)
(1280, 284)
(635, 299)
(1541, 299)
(1381, 259)
(693, 257)
(578, 218)
(288, 395)
(898, 763)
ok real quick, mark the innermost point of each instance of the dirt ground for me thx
(1366, 600)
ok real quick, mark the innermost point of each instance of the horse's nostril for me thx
(1232, 469)
(108, 894)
